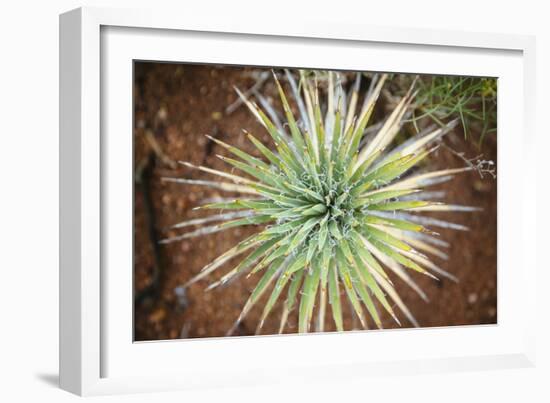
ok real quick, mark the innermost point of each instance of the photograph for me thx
(276, 200)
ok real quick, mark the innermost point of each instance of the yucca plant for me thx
(336, 209)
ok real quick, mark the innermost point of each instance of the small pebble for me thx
(472, 298)
(181, 296)
(162, 114)
(482, 186)
(157, 316)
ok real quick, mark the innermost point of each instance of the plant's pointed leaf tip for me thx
(212, 286)
(233, 328)
(396, 320)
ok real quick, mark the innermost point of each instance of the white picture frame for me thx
(97, 353)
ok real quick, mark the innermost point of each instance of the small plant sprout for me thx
(338, 209)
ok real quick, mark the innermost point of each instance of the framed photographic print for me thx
(236, 201)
